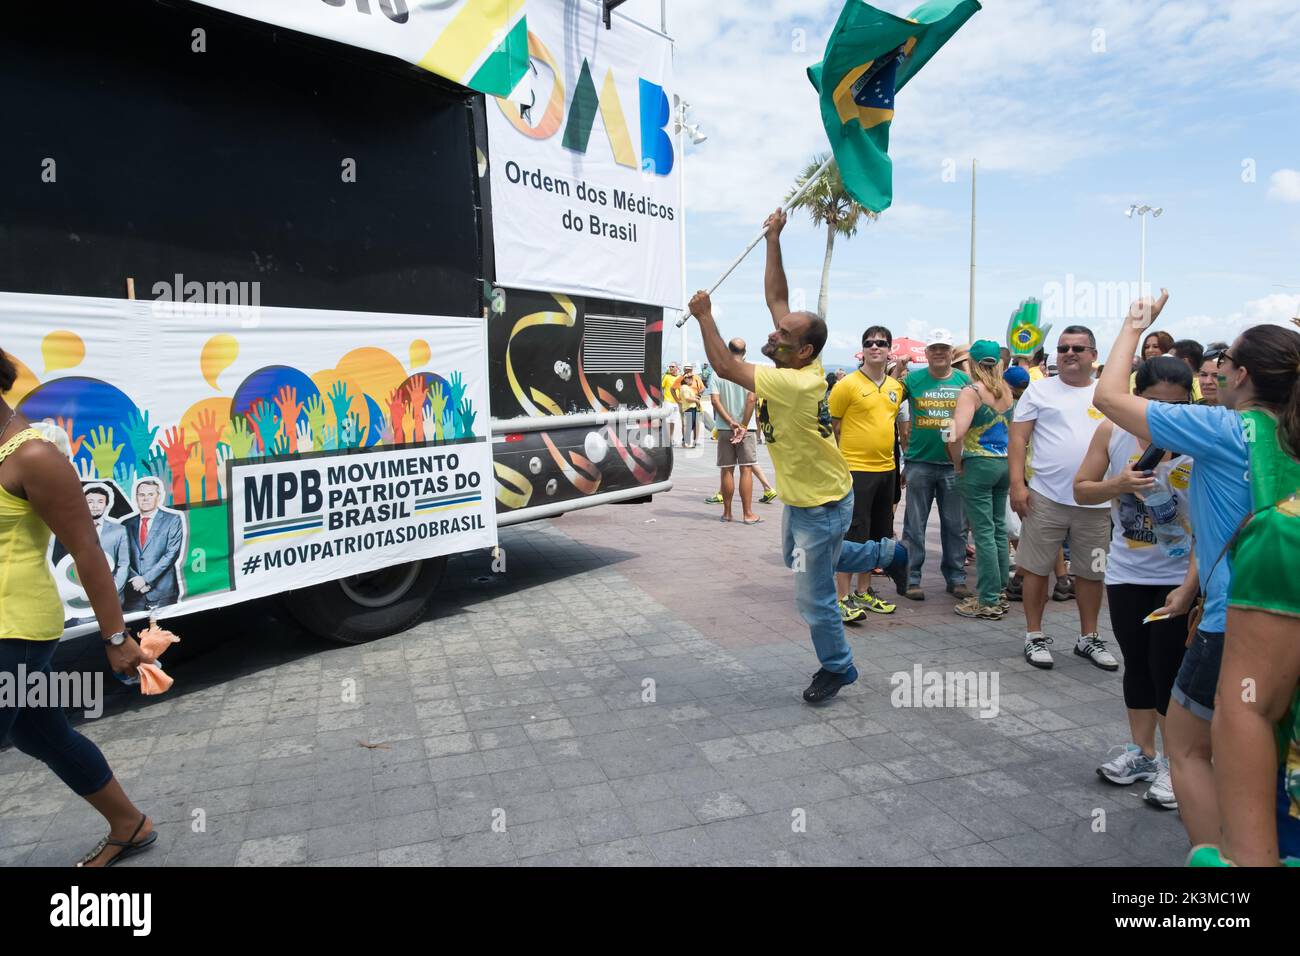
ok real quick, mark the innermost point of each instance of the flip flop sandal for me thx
(724, 520)
(129, 847)
(755, 521)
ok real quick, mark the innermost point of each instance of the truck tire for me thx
(368, 606)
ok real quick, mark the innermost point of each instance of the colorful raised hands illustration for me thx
(74, 440)
(418, 390)
(466, 427)
(178, 455)
(266, 423)
(241, 438)
(156, 465)
(197, 471)
(340, 402)
(223, 456)
(287, 401)
(209, 438)
(351, 436)
(396, 410)
(437, 405)
(141, 437)
(99, 443)
(316, 421)
(457, 385)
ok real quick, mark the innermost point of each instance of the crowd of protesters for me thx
(1167, 485)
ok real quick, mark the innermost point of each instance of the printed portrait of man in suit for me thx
(154, 538)
(112, 538)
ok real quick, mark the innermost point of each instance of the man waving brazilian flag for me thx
(871, 56)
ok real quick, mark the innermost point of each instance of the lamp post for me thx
(683, 129)
(1141, 209)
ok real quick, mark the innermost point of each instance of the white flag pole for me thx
(686, 314)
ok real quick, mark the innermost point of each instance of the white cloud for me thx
(1284, 185)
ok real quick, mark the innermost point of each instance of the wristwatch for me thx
(117, 640)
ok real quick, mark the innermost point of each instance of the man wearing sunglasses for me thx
(864, 407)
(1058, 415)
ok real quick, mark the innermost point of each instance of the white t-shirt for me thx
(1135, 555)
(1065, 421)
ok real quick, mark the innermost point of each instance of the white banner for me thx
(585, 174)
(316, 518)
(453, 38)
(230, 450)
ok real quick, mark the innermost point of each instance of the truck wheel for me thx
(368, 606)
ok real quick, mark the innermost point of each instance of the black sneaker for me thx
(826, 684)
(1015, 589)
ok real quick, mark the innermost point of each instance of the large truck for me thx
(250, 275)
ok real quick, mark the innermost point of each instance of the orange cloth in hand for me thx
(153, 641)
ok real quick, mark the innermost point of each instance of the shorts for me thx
(1046, 528)
(873, 506)
(743, 454)
(1198, 677)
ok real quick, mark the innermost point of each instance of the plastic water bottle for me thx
(1163, 508)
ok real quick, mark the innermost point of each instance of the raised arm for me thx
(724, 363)
(1112, 397)
(775, 287)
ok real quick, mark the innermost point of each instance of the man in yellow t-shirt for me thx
(814, 479)
(668, 386)
(864, 407)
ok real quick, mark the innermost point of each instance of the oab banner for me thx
(230, 451)
(585, 174)
(478, 43)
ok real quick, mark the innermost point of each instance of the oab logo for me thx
(544, 108)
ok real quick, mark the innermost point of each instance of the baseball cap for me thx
(1017, 376)
(938, 337)
(986, 351)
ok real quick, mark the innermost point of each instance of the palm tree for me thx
(829, 204)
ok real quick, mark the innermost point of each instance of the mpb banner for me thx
(234, 451)
(585, 175)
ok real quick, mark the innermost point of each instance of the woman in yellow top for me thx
(40, 494)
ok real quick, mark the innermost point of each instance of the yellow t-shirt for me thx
(866, 412)
(1035, 373)
(667, 386)
(30, 608)
(796, 424)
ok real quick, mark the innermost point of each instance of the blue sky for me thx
(1074, 110)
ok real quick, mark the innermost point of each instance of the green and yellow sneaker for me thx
(849, 613)
(715, 500)
(768, 496)
(871, 601)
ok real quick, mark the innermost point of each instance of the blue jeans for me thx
(927, 481)
(814, 548)
(44, 732)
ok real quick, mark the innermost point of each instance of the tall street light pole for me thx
(971, 317)
(1142, 209)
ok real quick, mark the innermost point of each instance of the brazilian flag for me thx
(870, 56)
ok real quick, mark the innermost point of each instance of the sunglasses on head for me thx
(875, 344)
(1076, 349)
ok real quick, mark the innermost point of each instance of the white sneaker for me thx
(1161, 793)
(1036, 651)
(1093, 647)
(1129, 767)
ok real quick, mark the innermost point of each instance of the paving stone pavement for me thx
(626, 693)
